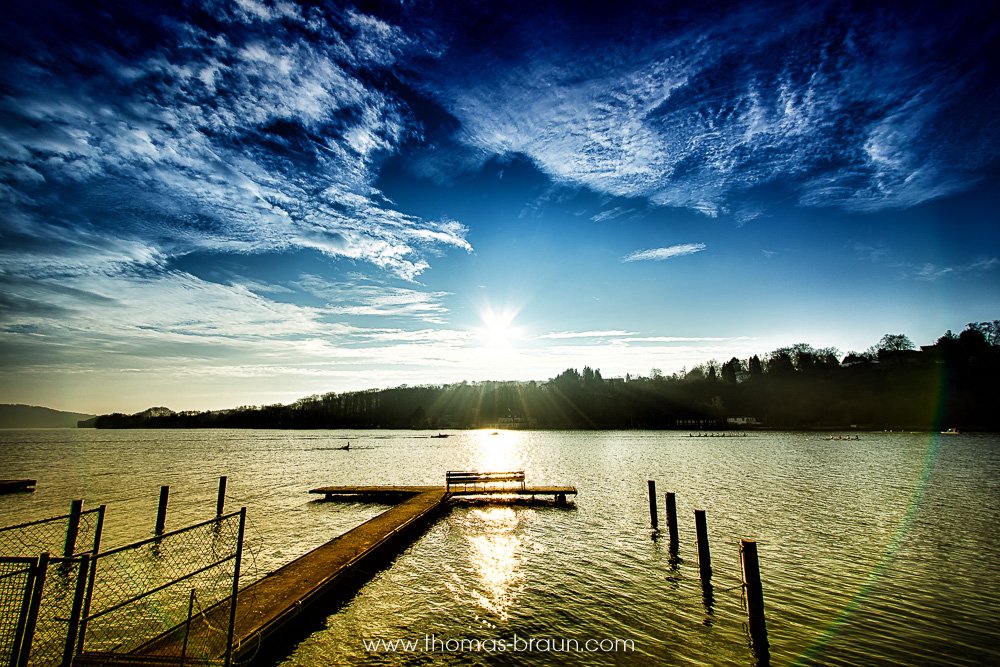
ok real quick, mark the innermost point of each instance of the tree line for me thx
(951, 383)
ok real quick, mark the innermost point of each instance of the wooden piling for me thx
(72, 528)
(754, 591)
(161, 512)
(221, 502)
(672, 519)
(704, 558)
(652, 503)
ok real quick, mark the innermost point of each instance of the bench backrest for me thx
(469, 477)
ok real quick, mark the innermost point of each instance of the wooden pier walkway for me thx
(15, 485)
(497, 494)
(334, 569)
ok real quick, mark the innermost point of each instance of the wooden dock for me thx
(496, 494)
(15, 485)
(332, 570)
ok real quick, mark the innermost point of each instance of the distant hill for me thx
(32, 416)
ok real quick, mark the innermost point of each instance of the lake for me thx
(884, 549)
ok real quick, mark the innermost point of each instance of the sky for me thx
(236, 202)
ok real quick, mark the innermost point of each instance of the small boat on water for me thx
(951, 431)
(440, 435)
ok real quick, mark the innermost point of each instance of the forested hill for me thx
(32, 416)
(952, 383)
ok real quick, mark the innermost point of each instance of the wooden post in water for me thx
(672, 519)
(73, 528)
(652, 503)
(221, 502)
(161, 512)
(754, 591)
(704, 558)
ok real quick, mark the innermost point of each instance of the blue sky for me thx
(210, 204)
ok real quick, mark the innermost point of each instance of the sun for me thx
(498, 331)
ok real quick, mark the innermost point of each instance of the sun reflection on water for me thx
(495, 450)
(495, 554)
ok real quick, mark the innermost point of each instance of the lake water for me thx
(884, 550)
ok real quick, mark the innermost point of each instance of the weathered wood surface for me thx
(14, 485)
(388, 491)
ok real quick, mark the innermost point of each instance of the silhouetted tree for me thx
(894, 343)
(796, 386)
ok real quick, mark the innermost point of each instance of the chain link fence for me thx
(142, 590)
(16, 579)
(53, 608)
(49, 584)
(69, 535)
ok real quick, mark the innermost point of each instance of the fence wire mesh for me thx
(15, 589)
(144, 589)
(52, 536)
(52, 626)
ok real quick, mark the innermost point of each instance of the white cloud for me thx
(697, 119)
(233, 143)
(932, 272)
(588, 334)
(659, 254)
(352, 298)
(685, 339)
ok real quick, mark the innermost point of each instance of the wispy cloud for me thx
(850, 110)
(588, 334)
(354, 298)
(932, 272)
(659, 254)
(686, 339)
(234, 140)
(928, 271)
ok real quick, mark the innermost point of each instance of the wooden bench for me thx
(456, 477)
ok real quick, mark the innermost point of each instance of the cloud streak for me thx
(250, 140)
(660, 254)
(848, 110)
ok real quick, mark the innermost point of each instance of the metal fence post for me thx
(90, 579)
(187, 628)
(22, 617)
(236, 587)
(74, 616)
(39, 573)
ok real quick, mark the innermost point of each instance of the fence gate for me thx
(82, 603)
(21, 583)
(36, 635)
